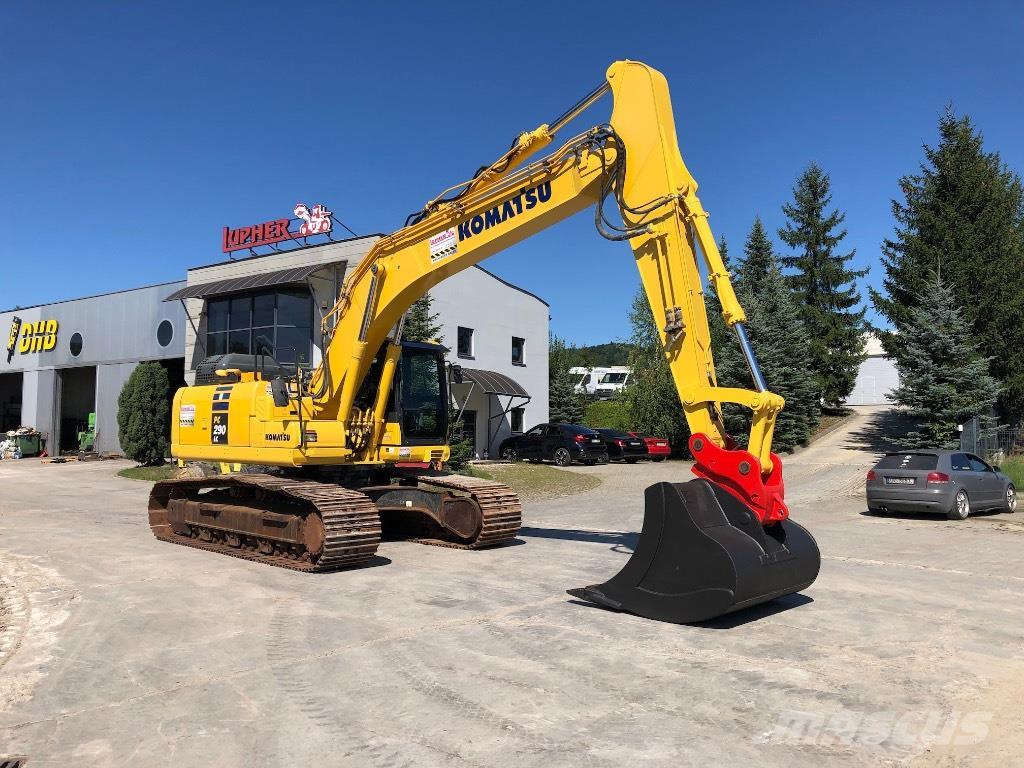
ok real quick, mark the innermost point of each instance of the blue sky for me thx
(131, 133)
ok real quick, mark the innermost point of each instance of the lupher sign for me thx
(38, 336)
(315, 221)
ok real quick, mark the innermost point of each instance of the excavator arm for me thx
(633, 160)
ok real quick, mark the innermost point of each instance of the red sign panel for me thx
(315, 221)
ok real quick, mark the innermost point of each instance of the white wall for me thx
(496, 312)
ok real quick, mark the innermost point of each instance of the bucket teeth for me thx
(703, 554)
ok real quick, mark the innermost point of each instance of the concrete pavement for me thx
(117, 649)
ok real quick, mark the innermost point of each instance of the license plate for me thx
(594, 440)
(899, 481)
(635, 444)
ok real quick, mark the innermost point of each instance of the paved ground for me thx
(116, 649)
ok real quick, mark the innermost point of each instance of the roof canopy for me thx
(247, 283)
(493, 382)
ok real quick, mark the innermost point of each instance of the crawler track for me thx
(499, 505)
(351, 524)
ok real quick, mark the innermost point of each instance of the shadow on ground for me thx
(879, 432)
(619, 541)
(737, 618)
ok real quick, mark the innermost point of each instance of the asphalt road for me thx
(116, 649)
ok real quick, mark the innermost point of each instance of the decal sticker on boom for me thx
(443, 244)
(499, 214)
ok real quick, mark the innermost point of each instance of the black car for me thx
(561, 443)
(623, 446)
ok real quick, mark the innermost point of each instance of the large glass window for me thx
(279, 322)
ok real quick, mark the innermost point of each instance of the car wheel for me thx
(509, 454)
(631, 461)
(961, 506)
(1011, 499)
(562, 457)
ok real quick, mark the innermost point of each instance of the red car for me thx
(657, 447)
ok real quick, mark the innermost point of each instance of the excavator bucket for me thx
(702, 554)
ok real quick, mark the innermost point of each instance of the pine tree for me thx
(824, 286)
(420, 323)
(781, 344)
(944, 379)
(142, 409)
(730, 367)
(962, 216)
(651, 397)
(564, 404)
(758, 258)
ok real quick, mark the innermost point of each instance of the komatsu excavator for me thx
(341, 443)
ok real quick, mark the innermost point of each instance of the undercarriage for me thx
(329, 522)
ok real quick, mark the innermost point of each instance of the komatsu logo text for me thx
(276, 437)
(499, 214)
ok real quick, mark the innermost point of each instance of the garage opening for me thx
(77, 401)
(10, 401)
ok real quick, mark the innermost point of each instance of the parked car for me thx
(613, 381)
(560, 443)
(658, 448)
(623, 446)
(951, 482)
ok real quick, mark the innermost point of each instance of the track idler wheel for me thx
(702, 554)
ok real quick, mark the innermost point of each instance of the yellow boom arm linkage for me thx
(634, 160)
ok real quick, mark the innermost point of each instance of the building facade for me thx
(877, 376)
(69, 359)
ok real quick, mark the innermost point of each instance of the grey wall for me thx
(118, 331)
(876, 378)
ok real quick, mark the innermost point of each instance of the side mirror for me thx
(457, 374)
(996, 468)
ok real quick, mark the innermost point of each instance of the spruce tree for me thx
(564, 404)
(420, 323)
(730, 367)
(824, 285)
(758, 258)
(944, 379)
(651, 397)
(962, 216)
(781, 344)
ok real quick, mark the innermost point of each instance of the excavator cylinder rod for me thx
(702, 554)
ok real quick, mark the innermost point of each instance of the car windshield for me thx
(908, 461)
(613, 378)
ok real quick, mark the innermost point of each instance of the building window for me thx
(465, 342)
(164, 333)
(76, 344)
(518, 351)
(516, 420)
(278, 323)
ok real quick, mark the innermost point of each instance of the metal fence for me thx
(992, 443)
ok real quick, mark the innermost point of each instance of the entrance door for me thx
(10, 401)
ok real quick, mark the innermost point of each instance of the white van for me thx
(612, 381)
(585, 379)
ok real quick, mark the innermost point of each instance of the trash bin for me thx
(28, 444)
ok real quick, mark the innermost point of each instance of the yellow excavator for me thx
(353, 450)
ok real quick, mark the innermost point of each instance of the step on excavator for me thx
(341, 455)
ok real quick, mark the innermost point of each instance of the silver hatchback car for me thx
(949, 482)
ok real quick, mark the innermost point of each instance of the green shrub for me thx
(611, 414)
(142, 409)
